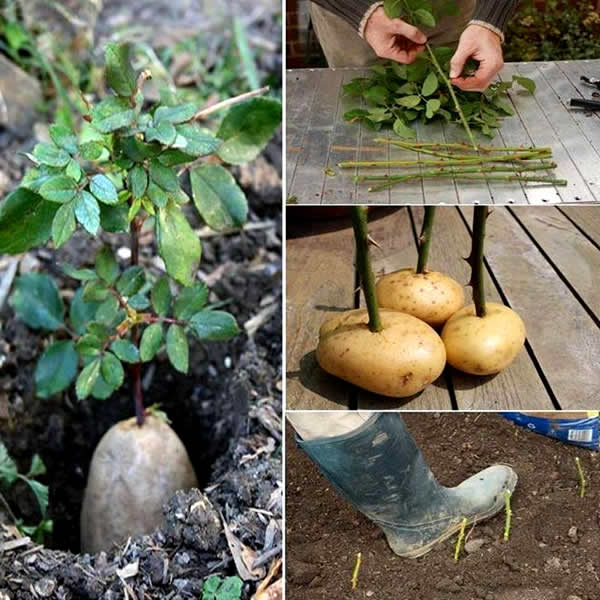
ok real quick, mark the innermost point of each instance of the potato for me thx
(432, 296)
(134, 471)
(483, 345)
(398, 361)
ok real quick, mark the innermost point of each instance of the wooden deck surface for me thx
(318, 138)
(544, 262)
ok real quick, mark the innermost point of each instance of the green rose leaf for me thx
(190, 301)
(161, 296)
(81, 312)
(218, 198)
(247, 128)
(102, 390)
(430, 84)
(432, 106)
(200, 141)
(79, 274)
(25, 221)
(59, 189)
(114, 218)
(36, 301)
(131, 281)
(213, 325)
(89, 345)
(157, 195)
(125, 351)
(403, 130)
(91, 150)
(95, 291)
(524, 82)
(409, 101)
(106, 265)
(377, 94)
(163, 176)
(175, 114)
(108, 312)
(177, 348)
(424, 17)
(73, 170)
(178, 245)
(63, 224)
(87, 212)
(173, 157)
(119, 73)
(49, 154)
(87, 379)
(393, 8)
(112, 114)
(151, 340)
(104, 189)
(164, 132)
(64, 138)
(56, 369)
(112, 370)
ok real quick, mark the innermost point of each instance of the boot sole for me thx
(511, 484)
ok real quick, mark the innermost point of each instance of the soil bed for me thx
(552, 553)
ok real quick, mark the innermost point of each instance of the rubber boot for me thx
(380, 470)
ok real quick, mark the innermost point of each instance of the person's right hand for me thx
(393, 38)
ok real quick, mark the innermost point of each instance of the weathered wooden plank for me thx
(587, 218)
(519, 386)
(392, 230)
(319, 282)
(562, 335)
(540, 127)
(577, 259)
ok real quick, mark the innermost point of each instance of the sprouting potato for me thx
(399, 361)
(431, 296)
(134, 471)
(483, 345)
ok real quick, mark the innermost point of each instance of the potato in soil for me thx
(483, 345)
(399, 361)
(431, 296)
(134, 471)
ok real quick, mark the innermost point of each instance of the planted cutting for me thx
(384, 351)
(484, 337)
(428, 295)
(122, 173)
(399, 95)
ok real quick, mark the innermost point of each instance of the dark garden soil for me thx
(552, 553)
(226, 410)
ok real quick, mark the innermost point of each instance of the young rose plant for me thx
(120, 174)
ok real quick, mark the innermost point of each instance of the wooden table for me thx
(544, 262)
(318, 138)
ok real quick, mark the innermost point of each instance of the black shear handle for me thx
(588, 104)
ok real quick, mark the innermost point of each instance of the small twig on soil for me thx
(202, 114)
(356, 570)
(582, 481)
(265, 557)
(459, 541)
(507, 496)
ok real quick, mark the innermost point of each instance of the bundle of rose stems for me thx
(461, 162)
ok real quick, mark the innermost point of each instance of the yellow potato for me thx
(483, 345)
(134, 471)
(432, 297)
(398, 361)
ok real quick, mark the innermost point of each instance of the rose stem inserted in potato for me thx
(484, 337)
(428, 295)
(384, 351)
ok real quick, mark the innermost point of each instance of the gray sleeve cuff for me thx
(351, 11)
(495, 13)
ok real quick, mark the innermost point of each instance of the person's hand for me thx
(393, 38)
(485, 47)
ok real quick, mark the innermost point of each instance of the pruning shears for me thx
(583, 102)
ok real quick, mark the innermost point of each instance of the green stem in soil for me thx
(471, 177)
(136, 368)
(541, 166)
(356, 570)
(582, 482)
(475, 259)
(363, 264)
(508, 512)
(459, 541)
(425, 238)
(462, 160)
(457, 105)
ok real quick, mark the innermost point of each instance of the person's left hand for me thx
(485, 47)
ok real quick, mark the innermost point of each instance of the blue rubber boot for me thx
(380, 470)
